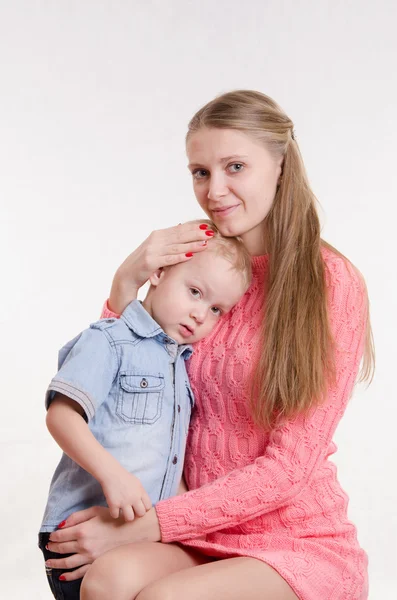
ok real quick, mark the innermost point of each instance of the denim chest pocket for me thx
(140, 397)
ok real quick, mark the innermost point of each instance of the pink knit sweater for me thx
(274, 497)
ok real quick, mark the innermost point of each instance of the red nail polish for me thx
(203, 226)
(62, 577)
(61, 524)
(189, 254)
(210, 232)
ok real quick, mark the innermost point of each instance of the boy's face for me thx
(188, 299)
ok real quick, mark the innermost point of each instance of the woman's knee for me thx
(156, 592)
(111, 577)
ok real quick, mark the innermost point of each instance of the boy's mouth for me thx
(185, 330)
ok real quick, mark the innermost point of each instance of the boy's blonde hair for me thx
(231, 248)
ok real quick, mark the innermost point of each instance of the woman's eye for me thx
(216, 311)
(199, 173)
(195, 293)
(236, 167)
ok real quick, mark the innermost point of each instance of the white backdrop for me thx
(95, 97)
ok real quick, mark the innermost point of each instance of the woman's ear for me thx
(156, 277)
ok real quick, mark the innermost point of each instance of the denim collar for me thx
(142, 324)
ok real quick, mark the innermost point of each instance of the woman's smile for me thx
(223, 211)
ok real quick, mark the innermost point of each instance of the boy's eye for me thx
(216, 311)
(195, 292)
(199, 173)
(236, 167)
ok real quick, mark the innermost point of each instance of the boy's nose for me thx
(199, 314)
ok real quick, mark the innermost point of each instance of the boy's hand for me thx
(124, 491)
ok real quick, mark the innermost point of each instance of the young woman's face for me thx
(235, 180)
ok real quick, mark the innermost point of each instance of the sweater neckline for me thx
(259, 262)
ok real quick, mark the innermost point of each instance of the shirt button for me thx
(179, 408)
(175, 460)
(143, 383)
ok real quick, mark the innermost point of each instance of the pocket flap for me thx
(137, 383)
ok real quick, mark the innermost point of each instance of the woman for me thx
(271, 385)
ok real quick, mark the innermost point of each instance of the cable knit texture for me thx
(274, 497)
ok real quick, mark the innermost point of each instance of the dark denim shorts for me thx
(62, 590)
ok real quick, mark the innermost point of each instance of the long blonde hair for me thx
(297, 361)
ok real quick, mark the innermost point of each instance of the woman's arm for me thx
(90, 533)
(295, 448)
(162, 248)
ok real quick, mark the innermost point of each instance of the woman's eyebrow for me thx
(233, 157)
(225, 159)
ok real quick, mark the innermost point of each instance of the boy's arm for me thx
(69, 429)
(88, 366)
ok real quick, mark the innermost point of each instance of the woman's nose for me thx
(217, 188)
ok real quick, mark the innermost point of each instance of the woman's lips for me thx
(224, 212)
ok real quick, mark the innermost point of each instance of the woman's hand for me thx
(89, 533)
(163, 247)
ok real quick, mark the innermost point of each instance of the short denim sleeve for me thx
(87, 367)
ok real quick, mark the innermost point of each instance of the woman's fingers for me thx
(184, 248)
(63, 548)
(64, 535)
(80, 517)
(162, 248)
(76, 574)
(187, 233)
(69, 562)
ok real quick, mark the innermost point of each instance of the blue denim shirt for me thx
(130, 378)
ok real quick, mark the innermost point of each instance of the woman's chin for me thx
(227, 229)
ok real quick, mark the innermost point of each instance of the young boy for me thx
(120, 403)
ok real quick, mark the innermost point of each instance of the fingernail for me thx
(209, 232)
(61, 524)
(62, 577)
(189, 254)
(47, 548)
(203, 226)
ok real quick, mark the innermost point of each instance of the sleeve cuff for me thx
(64, 387)
(107, 313)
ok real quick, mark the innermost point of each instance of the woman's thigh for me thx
(225, 579)
(123, 572)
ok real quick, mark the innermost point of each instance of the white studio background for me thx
(95, 97)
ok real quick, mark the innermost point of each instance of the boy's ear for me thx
(156, 277)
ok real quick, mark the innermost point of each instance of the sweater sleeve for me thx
(107, 313)
(296, 448)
